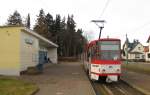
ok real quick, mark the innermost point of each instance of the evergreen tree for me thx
(41, 24)
(15, 19)
(28, 21)
(57, 27)
(61, 38)
(81, 41)
(50, 25)
(70, 32)
(70, 41)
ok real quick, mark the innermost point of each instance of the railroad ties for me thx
(114, 88)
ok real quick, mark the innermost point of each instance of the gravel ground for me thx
(65, 78)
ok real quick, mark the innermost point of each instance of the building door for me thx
(42, 57)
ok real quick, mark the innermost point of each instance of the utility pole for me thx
(100, 26)
(126, 49)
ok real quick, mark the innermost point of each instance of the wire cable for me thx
(105, 7)
(141, 27)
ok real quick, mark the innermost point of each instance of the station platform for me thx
(65, 78)
(137, 80)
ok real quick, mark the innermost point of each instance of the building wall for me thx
(133, 56)
(146, 54)
(19, 50)
(9, 50)
(139, 48)
(29, 46)
(149, 46)
(130, 56)
(52, 54)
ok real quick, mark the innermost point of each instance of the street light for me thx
(100, 26)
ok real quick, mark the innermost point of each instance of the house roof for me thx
(33, 33)
(148, 39)
(131, 46)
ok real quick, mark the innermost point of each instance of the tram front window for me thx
(109, 50)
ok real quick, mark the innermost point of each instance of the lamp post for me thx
(126, 49)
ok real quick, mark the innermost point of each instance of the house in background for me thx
(133, 51)
(22, 48)
(147, 50)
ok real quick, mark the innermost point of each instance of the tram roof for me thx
(103, 39)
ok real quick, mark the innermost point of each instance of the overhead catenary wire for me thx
(101, 21)
(105, 7)
(142, 26)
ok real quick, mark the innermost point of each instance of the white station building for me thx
(22, 48)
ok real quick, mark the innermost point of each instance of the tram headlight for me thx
(103, 70)
(118, 70)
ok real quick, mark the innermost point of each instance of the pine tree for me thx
(15, 19)
(50, 25)
(61, 38)
(57, 28)
(70, 41)
(70, 32)
(28, 21)
(41, 24)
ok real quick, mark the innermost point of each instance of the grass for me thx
(11, 86)
(137, 67)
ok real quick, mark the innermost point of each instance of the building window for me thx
(139, 48)
(148, 55)
(137, 55)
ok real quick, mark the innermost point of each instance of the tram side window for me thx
(92, 53)
(88, 55)
(148, 55)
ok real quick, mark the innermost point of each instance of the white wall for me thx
(29, 52)
(139, 48)
(149, 46)
(10, 71)
(52, 54)
(148, 59)
(131, 56)
(136, 49)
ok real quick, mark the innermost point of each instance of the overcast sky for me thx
(122, 17)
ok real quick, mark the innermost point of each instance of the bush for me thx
(33, 71)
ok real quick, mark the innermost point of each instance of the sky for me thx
(131, 17)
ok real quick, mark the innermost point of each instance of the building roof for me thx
(131, 46)
(51, 44)
(31, 32)
(103, 39)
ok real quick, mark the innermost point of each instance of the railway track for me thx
(115, 88)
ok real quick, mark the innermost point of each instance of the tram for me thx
(102, 59)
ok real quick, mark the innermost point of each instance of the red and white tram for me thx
(103, 59)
